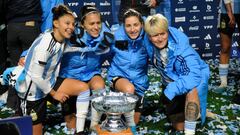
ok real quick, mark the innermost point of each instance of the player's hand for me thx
(21, 61)
(153, 3)
(231, 20)
(60, 96)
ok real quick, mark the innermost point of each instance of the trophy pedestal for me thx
(104, 132)
(114, 104)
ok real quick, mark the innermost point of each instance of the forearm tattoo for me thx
(192, 111)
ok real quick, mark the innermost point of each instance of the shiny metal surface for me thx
(114, 104)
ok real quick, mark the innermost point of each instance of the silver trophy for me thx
(114, 104)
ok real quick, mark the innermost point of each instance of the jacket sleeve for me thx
(189, 75)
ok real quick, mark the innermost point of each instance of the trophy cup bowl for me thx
(114, 104)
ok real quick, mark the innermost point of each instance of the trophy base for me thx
(104, 132)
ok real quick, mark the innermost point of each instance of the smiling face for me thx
(160, 39)
(156, 26)
(133, 26)
(92, 24)
(63, 27)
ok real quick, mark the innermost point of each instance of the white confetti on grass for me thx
(227, 115)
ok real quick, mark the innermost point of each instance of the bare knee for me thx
(130, 89)
(97, 86)
(125, 86)
(96, 83)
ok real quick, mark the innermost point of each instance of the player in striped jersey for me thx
(89, 42)
(39, 75)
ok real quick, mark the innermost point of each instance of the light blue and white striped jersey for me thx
(42, 66)
(235, 6)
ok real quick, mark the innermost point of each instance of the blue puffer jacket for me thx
(185, 68)
(83, 65)
(131, 62)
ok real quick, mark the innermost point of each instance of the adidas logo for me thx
(181, 29)
(235, 44)
(208, 37)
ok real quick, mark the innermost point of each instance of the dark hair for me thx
(60, 11)
(132, 12)
(85, 10)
